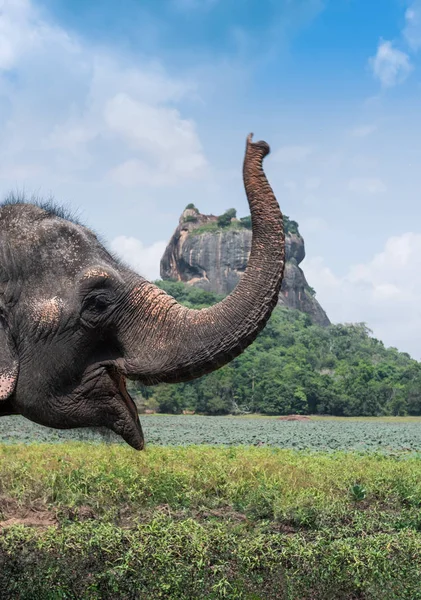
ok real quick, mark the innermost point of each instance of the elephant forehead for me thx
(96, 273)
(48, 310)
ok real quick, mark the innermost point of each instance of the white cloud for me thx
(79, 113)
(390, 65)
(366, 185)
(167, 143)
(362, 131)
(145, 260)
(412, 29)
(291, 154)
(21, 31)
(384, 292)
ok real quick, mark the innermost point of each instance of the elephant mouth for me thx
(131, 432)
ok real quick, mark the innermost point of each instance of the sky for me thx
(126, 112)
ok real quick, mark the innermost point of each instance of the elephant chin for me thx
(129, 428)
(99, 400)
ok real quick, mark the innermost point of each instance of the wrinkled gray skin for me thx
(75, 322)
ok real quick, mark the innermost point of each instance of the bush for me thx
(246, 222)
(191, 206)
(225, 219)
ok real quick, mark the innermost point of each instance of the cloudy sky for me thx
(127, 111)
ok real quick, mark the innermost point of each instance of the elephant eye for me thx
(96, 302)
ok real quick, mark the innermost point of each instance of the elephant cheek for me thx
(48, 312)
(7, 384)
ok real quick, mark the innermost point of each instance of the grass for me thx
(213, 227)
(207, 522)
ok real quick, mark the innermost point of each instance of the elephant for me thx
(76, 322)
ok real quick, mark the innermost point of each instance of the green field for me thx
(327, 509)
(387, 435)
(102, 522)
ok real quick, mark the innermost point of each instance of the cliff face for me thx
(213, 258)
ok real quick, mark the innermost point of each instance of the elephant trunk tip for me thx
(262, 146)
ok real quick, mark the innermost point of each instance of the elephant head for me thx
(75, 322)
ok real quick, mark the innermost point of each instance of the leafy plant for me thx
(225, 219)
(358, 492)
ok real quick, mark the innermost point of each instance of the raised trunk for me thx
(167, 342)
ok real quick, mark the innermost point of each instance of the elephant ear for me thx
(9, 363)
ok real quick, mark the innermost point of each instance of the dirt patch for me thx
(7, 505)
(85, 513)
(31, 518)
(294, 418)
(36, 515)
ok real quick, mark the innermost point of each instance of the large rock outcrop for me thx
(204, 254)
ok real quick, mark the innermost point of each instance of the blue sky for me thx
(128, 111)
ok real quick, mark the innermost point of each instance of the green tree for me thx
(168, 400)
(225, 219)
(246, 222)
